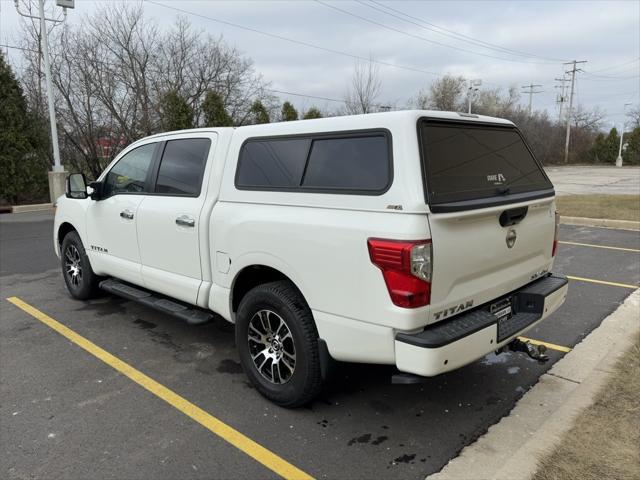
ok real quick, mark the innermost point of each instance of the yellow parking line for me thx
(221, 429)
(551, 346)
(602, 282)
(634, 250)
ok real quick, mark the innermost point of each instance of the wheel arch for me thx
(64, 229)
(251, 276)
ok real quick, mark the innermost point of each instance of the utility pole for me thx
(562, 98)
(531, 91)
(619, 159)
(573, 71)
(473, 87)
(56, 176)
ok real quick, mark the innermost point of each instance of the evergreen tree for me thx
(22, 155)
(259, 112)
(214, 112)
(289, 113)
(176, 112)
(605, 148)
(313, 112)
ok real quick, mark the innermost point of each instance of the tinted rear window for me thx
(347, 163)
(182, 166)
(468, 162)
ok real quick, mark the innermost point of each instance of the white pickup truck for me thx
(418, 239)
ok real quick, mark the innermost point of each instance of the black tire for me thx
(82, 284)
(283, 302)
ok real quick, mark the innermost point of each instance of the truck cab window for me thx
(182, 166)
(130, 173)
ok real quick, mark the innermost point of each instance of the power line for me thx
(451, 33)
(605, 80)
(298, 42)
(612, 67)
(424, 39)
(612, 77)
(609, 95)
(14, 47)
(284, 92)
(328, 99)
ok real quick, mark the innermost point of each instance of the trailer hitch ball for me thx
(537, 352)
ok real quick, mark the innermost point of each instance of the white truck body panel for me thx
(319, 242)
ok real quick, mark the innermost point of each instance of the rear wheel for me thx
(278, 344)
(81, 282)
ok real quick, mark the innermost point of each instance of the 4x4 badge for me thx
(511, 237)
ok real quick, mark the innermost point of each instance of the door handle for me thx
(513, 216)
(126, 213)
(185, 221)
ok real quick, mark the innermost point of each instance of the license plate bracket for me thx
(501, 309)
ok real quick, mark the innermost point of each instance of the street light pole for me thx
(473, 87)
(57, 175)
(57, 167)
(619, 159)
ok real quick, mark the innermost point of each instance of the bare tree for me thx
(445, 94)
(634, 115)
(365, 88)
(82, 116)
(494, 103)
(589, 120)
(112, 71)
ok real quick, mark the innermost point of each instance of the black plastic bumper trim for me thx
(527, 304)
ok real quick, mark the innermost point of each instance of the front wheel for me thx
(277, 341)
(81, 282)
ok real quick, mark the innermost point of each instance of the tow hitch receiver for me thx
(534, 351)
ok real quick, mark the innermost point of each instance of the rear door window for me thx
(182, 166)
(465, 162)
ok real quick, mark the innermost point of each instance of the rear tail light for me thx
(406, 267)
(556, 233)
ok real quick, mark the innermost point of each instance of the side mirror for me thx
(76, 186)
(96, 194)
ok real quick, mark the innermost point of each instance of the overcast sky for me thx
(607, 34)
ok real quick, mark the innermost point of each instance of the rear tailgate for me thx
(492, 222)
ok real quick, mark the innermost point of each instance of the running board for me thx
(190, 314)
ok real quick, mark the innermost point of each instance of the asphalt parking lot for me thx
(67, 414)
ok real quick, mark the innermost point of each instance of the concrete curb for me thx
(31, 208)
(510, 450)
(601, 222)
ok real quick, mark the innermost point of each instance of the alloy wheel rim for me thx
(271, 346)
(73, 265)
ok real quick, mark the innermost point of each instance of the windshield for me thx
(466, 161)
